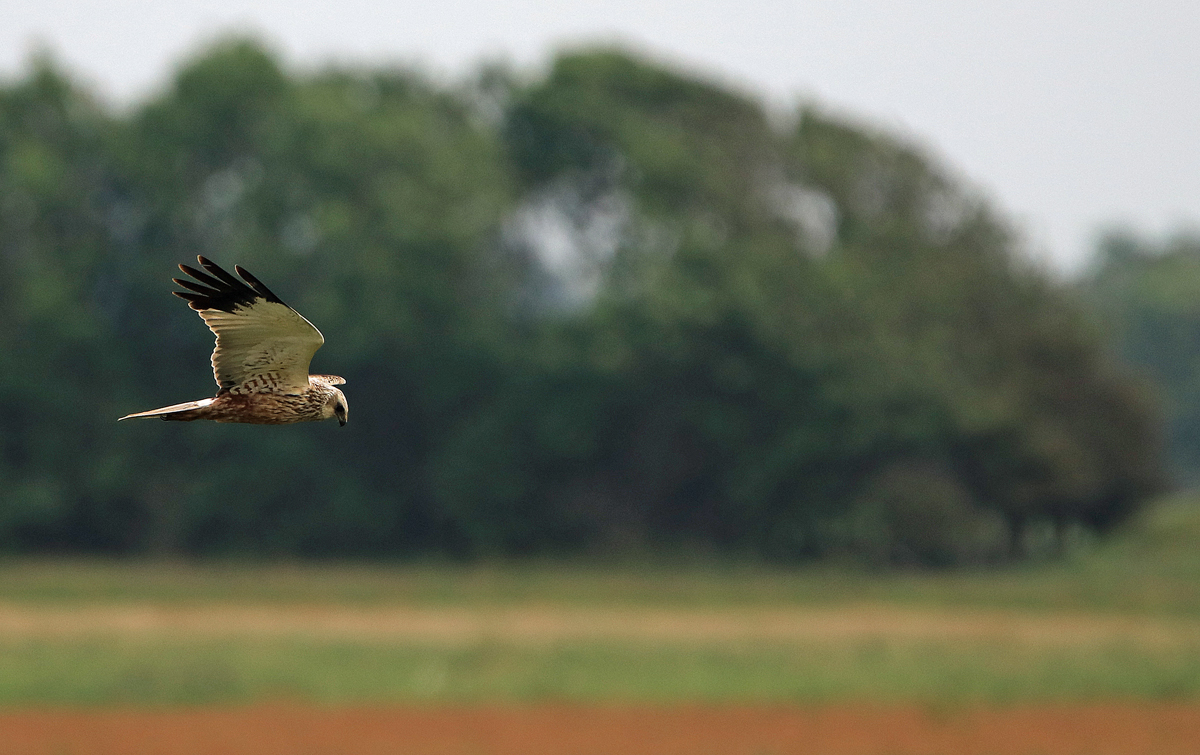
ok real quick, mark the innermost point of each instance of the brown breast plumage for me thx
(267, 408)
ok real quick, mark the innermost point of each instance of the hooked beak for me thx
(341, 422)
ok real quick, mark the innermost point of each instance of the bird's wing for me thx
(263, 345)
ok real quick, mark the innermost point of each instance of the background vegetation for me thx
(612, 307)
(1117, 621)
(1147, 291)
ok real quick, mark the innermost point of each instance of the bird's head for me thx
(336, 406)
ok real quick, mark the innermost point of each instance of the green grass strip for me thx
(156, 672)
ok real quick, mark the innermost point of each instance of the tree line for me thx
(1146, 291)
(613, 307)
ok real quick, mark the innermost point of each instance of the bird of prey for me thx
(261, 358)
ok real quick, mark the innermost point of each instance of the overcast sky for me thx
(1072, 114)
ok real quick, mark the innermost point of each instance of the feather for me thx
(263, 345)
(261, 357)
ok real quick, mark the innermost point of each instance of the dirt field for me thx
(1107, 729)
(1117, 728)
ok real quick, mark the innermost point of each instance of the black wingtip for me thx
(218, 271)
(218, 289)
(256, 284)
(195, 301)
(189, 285)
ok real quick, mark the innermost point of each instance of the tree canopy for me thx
(1147, 292)
(615, 306)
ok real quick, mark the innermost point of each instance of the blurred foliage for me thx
(1148, 291)
(613, 307)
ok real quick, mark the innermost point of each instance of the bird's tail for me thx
(167, 411)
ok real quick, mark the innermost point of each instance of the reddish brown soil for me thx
(1100, 729)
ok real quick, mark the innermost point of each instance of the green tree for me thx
(613, 306)
(1146, 291)
(1017, 392)
(57, 317)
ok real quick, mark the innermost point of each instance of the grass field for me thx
(1152, 568)
(174, 672)
(1116, 620)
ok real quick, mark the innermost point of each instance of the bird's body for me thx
(256, 408)
(261, 358)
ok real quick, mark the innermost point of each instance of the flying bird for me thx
(261, 358)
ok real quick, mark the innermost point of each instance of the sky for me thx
(1072, 115)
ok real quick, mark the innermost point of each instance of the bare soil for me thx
(283, 729)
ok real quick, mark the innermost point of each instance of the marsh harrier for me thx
(261, 358)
